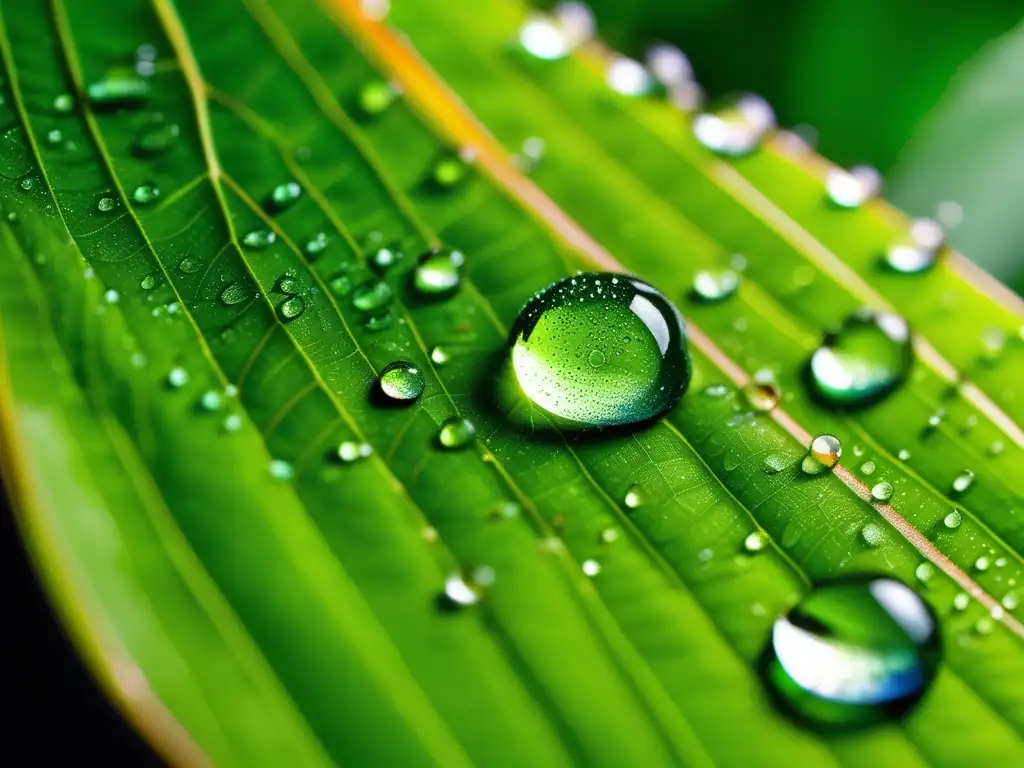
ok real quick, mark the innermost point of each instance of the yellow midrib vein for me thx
(443, 109)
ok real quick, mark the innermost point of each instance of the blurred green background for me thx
(929, 92)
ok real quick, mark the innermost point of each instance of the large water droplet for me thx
(401, 381)
(864, 361)
(118, 88)
(642, 368)
(736, 125)
(920, 251)
(852, 188)
(438, 273)
(177, 377)
(855, 651)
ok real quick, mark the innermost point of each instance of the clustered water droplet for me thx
(735, 125)
(556, 36)
(852, 188)
(601, 350)
(920, 251)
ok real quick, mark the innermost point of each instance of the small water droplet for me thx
(953, 520)
(177, 377)
(1011, 601)
(144, 194)
(882, 491)
(669, 65)
(149, 282)
(448, 170)
(455, 433)
(922, 249)
(715, 284)
(865, 360)
(54, 136)
(924, 571)
(111, 296)
(775, 463)
(903, 455)
(118, 88)
(630, 78)
(762, 392)
(591, 568)
(826, 450)
(340, 285)
(716, 391)
(438, 273)
(559, 328)
(281, 470)
(855, 651)
(63, 102)
(984, 626)
(291, 308)
(852, 188)
(961, 601)
(282, 197)
(288, 284)
(868, 468)
(462, 590)
(154, 138)
(439, 355)
(384, 258)
(401, 381)
(755, 541)
(609, 536)
(233, 293)
(27, 184)
(258, 239)
(554, 37)
(371, 295)
(962, 482)
(982, 563)
(735, 125)
(634, 496)
(872, 534)
(232, 422)
(106, 205)
(379, 322)
(350, 451)
(211, 400)
(376, 96)
(316, 245)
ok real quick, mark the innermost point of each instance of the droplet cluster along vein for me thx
(571, 235)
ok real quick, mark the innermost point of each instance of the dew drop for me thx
(590, 567)
(350, 452)
(455, 433)
(903, 455)
(953, 520)
(560, 327)
(379, 322)
(282, 197)
(630, 78)
(924, 572)
(755, 541)
(962, 482)
(281, 470)
(177, 377)
(27, 184)
(554, 37)
(715, 284)
(762, 393)
(982, 563)
(118, 88)
(826, 450)
(63, 103)
(149, 282)
(401, 381)
(316, 245)
(868, 468)
(54, 136)
(232, 423)
(291, 308)
(258, 239)
(735, 125)
(340, 285)
(111, 296)
(288, 284)
(371, 296)
(462, 590)
(106, 205)
(856, 651)
(775, 463)
(669, 65)
(634, 496)
(155, 138)
(439, 355)
(920, 251)
(384, 258)
(233, 293)
(852, 188)
(872, 534)
(144, 194)
(448, 170)
(375, 97)
(211, 400)
(882, 491)
(961, 601)
(1010, 601)
(864, 361)
(609, 536)
(438, 273)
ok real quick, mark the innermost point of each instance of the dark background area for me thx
(52, 709)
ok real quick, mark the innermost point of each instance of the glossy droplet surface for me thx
(953, 520)
(155, 138)
(735, 125)
(634, 496)
(630, 78)
(372, 295)
(448, 170)
(106, 204)
(962, 482)
(920, 250)
(855, 651)
(554, 37)
(177, 377)
(349, 451)
(233, 293)
(376, 96)
(281, 470)
(882, 491)
(755, 541)
(283, 196)
(456, 432)
(762, 392)
(291, 308)
(438, 274)
(118, 88)
(852, 188)
(774, 463)
(144, 194)
(258, 239)
(826, 450)
(600, 349)
(439, 355)
(401, 381)
(149, 282)
(316, 244)
(715, 284)
(864, 361)
(462, 590)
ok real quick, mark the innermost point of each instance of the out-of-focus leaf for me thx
(172, 422)
(969, 151)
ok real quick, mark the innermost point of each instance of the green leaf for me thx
(190, 350)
